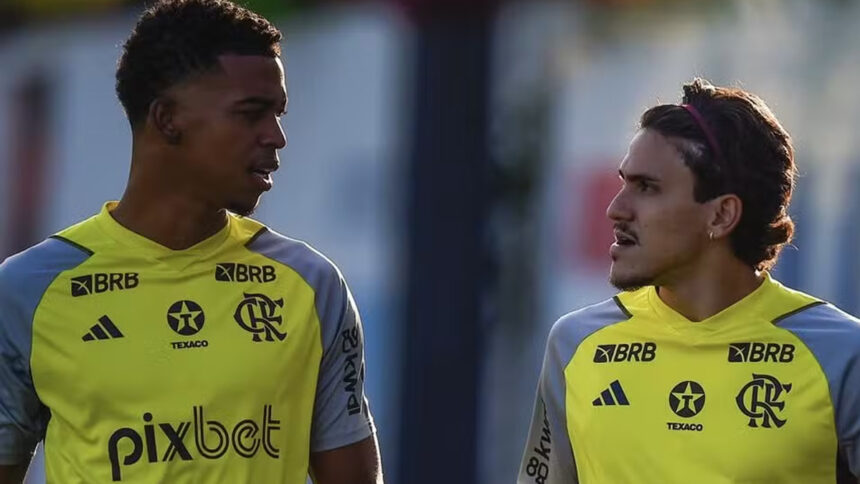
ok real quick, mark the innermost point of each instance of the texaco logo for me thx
(185, 317)
(687, 399)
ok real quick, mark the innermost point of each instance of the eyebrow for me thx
(261, 102)
(637, 177)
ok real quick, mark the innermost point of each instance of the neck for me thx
(714, 288)
(152, 207)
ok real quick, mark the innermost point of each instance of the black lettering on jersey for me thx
(353, 369)
(756, 352)
(685, 426)
(349, 340)
(103, 282)
(235, 272)
(181, 345)
(350, 373)
(212, 440)
(625, 352)
(545, 446)
(538, 466)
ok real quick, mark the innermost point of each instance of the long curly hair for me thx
(753, 159)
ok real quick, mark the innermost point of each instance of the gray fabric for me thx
(341, 414)
(548, 455)
(23, 280)
(833, 336)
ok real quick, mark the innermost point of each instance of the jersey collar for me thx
(147, 248)
(752, 306)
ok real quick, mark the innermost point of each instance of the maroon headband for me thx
(700, 120)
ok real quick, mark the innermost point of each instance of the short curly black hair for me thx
(175, 39)
(753, 159)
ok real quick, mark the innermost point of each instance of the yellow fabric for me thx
(646, 441)
(141, 394)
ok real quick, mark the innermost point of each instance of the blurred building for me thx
(566, 82)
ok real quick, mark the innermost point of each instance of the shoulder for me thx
(315, 269)
(25, 276)
(831, 335)
(822, 324)
(571, 329)
(833, 338)
(84, 235)
(45, 259)
(298, 255)
(332, 299)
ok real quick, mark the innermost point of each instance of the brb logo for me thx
(760, 400)
(211, 439)
(761, 352)
(235, 272)
(256, 314)
(104, 282)
(625, 352)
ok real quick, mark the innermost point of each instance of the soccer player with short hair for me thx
(704, 369)
(169, 338)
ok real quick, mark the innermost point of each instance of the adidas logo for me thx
(104, 330)
(614, 395)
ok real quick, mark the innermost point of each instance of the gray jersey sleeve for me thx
(341, 413)
(833, 336)
(23, 280)
(548, 456)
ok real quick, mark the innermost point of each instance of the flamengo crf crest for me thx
(762, 400)
(256, 314)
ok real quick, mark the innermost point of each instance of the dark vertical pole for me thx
(448, 205)
(30, 149)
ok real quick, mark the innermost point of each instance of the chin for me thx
(243, 209)
(629, 282)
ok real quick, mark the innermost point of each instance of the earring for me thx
(173, 138)
(710, 235)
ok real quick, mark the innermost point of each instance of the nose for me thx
(619, 208)
(274, 135)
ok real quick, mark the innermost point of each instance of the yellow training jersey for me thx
(228, 361)
(765, 392)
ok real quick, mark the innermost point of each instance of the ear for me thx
(726, 211)
(162, 115)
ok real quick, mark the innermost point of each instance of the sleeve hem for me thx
(342, 440)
